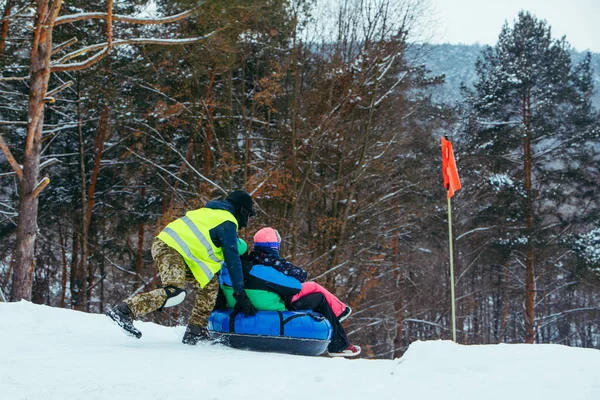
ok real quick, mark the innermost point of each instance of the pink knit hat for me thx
(267, 237)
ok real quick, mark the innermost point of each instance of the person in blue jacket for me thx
(276, 287)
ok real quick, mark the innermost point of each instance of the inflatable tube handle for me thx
(281, 323)
(232, 316)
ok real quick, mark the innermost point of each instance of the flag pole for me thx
(451, 270)
(452, 184)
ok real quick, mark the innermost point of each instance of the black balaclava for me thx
(242, 205)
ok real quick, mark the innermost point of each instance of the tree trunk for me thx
(529, 262)
(399, 302)
(4, 28)
(210, 111)
(505, 300)
(188, 157)
(78, 267)
(76, 279)
(85, 248)
(356, 177)
(101, 305)
(294, 164)
(139, 261)
(28, 185)
(247, 130)
(63, 252)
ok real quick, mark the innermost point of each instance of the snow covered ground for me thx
(50, 353)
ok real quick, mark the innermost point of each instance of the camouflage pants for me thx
(174, 272)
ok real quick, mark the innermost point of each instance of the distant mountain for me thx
(457, 63)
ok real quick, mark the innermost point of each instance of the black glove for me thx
(243, 304)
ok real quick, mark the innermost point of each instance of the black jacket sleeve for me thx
(225, 236)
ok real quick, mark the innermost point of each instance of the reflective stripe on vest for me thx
(188, 252)
(201, 238)
(190, 236)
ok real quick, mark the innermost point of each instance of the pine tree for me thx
(529, 132)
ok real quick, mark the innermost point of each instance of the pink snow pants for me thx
(312, 287)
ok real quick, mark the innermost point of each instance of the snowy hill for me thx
(50, 353)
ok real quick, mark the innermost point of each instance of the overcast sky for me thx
(471, 21)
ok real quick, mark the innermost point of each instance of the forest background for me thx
(330, 115)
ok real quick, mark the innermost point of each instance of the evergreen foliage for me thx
(532, 143)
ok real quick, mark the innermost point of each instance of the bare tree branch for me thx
(162, 140)
(64, 45)
(14, 78)
(59, 89)
(158, 166)
(81, 65)
(40, 186)
(65, 19)
(109, 22)
(60, 67)
(122, 42)
(548, 319)
(9, 157)
(17, 12)
(60, 128)
(331, 269)
(48, 162)
(13, 123)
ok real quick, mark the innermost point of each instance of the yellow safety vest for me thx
(190, 236)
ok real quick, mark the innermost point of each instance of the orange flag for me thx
(449, 171)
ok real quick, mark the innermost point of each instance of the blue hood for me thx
(221, 205)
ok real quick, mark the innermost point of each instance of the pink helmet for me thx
(267, 237)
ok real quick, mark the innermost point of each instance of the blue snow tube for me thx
(291, 332)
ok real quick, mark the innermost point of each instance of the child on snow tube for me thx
(274, 284)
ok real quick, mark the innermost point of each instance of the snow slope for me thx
(50, 353)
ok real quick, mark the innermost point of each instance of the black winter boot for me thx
(122, 316)
(194, 334)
